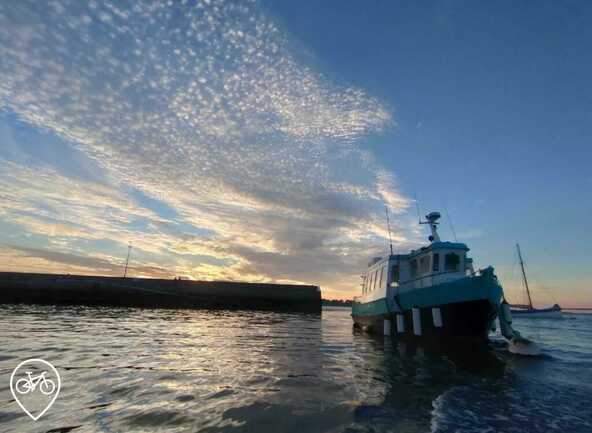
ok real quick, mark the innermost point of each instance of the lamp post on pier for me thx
(129, 250)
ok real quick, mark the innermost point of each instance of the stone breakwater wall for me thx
(54, 289)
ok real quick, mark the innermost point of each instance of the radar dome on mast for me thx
(432, 219)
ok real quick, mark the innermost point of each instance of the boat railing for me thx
(432, 275)
(414, 282)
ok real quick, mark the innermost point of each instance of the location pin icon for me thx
(35, 385)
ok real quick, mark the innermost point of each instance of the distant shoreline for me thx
(336, 303)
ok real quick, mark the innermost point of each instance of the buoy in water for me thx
(523, 346)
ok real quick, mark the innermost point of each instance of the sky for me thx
(262, 140)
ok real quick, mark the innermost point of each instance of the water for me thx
(213, 371)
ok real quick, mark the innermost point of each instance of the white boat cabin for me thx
(436, 263)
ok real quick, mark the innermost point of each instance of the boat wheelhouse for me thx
(432, 291)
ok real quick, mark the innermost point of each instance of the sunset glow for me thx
(226, 146)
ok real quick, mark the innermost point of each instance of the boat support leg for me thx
(517, 343)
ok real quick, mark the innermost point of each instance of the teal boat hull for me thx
(467, 308)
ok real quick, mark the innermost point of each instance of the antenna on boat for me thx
(129, 250)
(417, 207)
(524, 276)
(450, 222)
(388, 226)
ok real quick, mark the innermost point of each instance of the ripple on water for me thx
(505, 408)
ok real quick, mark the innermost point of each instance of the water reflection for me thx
(196, 370)
(398, 382)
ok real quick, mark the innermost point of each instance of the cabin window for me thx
(436, 262)
(413, 264)
(369, 283)
(395, 273)
(451, 262)
(381, 277)
(424, 265)
(375, 279)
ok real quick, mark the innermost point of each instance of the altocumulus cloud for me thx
(204, 108)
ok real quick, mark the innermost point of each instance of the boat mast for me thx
(524, 277)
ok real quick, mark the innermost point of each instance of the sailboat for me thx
(528, 310)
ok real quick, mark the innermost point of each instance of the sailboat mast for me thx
(524, 277)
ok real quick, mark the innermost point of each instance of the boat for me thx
(432, 293)
(528, 311)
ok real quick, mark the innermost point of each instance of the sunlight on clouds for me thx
(204, 107)
(387, 191)
(36, 260)
(45, 261)
(47, 203)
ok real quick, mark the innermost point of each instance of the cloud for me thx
(79, 262)
(204, 107)
(48, 261)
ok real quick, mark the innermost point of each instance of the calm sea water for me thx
(127, 370)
